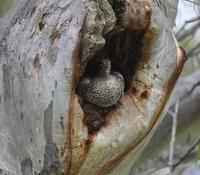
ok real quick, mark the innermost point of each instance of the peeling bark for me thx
(47, 47)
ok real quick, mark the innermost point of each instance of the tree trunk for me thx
(187, 92)
(46, 46)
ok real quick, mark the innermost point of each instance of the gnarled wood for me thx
(46, 48)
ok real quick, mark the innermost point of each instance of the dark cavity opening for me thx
(124, 50)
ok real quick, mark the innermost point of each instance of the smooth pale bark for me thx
(187, 92)
(41, 119)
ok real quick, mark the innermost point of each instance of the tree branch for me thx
(186, 154)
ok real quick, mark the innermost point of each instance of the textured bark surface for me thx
(45, 47)
(38, 45)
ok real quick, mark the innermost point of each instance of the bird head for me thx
(105, 66)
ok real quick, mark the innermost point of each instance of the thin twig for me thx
(189, 32)
(192, 20)
(170, 112)
(197, 3)
(186, 154)
(191, 52)
(181, 30)
(173, 135)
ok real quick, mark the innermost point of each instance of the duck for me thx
(103, 90)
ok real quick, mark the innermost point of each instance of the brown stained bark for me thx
(156, 116)
(45, 51)
(187, 93)
(110, 165)
(76, 76)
